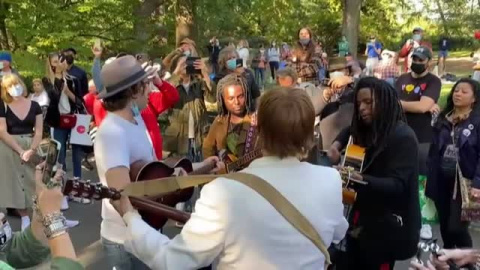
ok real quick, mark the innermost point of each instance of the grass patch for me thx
(461, 53)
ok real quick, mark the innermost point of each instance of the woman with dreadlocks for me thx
(385, 219)
(233, 133)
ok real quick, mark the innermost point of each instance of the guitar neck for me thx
(159, 209)
(246, 159)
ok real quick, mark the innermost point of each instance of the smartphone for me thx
(191, 65)
(98, 45)
(52, 150)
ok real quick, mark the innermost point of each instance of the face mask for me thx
(418, 68)
(69, 59)
(135, 109)
(336, 74)
(304, 41)
(273, 44)
(232, 64)
(417, 37)
(16, 90)
(187, 53)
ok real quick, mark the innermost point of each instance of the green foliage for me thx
(42, 26)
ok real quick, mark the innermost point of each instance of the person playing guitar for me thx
(385, 219)
(233, 131)
(234, 226)
(122, 140)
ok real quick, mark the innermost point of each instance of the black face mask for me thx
(418, 68)
(69, 59)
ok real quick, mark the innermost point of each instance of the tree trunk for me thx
(142, 18)
(442, 17)
(184, 20)
(351, 23)
(4, 42)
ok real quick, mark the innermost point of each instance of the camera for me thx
(191, 65)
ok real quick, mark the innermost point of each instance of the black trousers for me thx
(356, 258)
(455, 233)
(273, 68)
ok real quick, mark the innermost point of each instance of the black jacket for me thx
(469, 153)
(52, 118)
(388, 207)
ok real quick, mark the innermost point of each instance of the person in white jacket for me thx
(273, 55)
(234, 227)
(244, 52)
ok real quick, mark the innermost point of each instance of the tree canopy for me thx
(153, 26)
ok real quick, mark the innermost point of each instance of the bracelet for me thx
(56, 228)
(51, 218)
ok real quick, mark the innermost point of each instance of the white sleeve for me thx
(341, 224)
(199, 243)
(111, 144)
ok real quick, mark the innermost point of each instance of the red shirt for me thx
(407, 48)
(158, 102)
(89, 101)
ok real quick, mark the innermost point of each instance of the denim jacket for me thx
(468, 146)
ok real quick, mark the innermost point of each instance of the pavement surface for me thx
(86, 236)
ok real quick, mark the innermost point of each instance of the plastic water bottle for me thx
(434, 118)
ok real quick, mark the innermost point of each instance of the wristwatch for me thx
(56, 228)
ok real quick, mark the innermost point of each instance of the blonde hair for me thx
(9, 81)
(243, 43)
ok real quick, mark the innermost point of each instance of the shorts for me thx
(443, 54)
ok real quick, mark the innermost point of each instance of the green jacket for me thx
(24, 251)
(175, 139)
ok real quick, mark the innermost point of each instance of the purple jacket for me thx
(469, 153)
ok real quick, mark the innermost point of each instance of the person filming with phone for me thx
(188, 118)
(47, 236)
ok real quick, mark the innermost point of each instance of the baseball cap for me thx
(417, 29)
(422, 52)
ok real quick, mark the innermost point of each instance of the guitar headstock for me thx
(88, 190)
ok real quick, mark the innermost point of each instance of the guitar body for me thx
(144, 171)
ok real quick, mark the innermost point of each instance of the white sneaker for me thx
(25, 222)
(64, 204)
(426, 232)
(72, 223)
(81, 200)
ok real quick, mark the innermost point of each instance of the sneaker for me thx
(72, 223)
(25, 222)
(87, 165)
(426, 232)
(81, 200)
(179, 224)
(64, 204)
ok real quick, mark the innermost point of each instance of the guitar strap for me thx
(262, 187)
(251, 135)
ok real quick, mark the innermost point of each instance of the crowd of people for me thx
(292, 132)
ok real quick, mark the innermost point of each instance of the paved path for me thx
(86, 236)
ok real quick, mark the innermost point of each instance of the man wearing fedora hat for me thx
(121, 140)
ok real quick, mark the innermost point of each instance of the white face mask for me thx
(187, 53)
(16, 90)
(336, 74)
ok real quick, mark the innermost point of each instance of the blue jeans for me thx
(260, 76)
(62, 135)
(119, 258)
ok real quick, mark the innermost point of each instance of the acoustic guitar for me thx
(352, 162)
(97, 191)
(144, 171)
